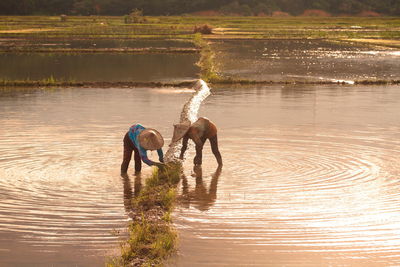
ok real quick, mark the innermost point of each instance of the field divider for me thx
(152, 237)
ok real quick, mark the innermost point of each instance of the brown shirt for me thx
(201, 130)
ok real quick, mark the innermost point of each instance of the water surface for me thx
(91, 43)
(310, 178)
(299, 60)
(310, 175)
(98, 67)
(61, 195)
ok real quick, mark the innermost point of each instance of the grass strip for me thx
(52, 82)
(206, 61)
(233, 81)
(213, 80)
(151, 235)
(145, 50)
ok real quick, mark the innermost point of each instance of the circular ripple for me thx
(302, 193)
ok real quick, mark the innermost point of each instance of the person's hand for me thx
(161, 165)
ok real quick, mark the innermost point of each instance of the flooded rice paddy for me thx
(310, 175)
(300, 60)
(92, 43)
(310, 178)
(98, 67)
(61, 194)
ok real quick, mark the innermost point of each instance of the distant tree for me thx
(231, 8)
(54, 7)
(7, 7)
(319, 4)
(86, 7)
(351, 7)
(21, 7)
(176, 7)
(294, 7)
(395, 9)
(266, 8)
(235, 8)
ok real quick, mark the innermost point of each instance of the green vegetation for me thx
(52, 82)
(206, 63)
(176, 7)
(125, 50)
(151, 235)
(19, 33)
(181, 28)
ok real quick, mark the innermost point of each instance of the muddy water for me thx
(282, 60)
(87, 43)
(61, 196)
(98, 67)
(310, 178)
(310, 175)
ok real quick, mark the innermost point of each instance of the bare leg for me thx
(138, 160)
(126, 159)
(215, 150)
(199, 153)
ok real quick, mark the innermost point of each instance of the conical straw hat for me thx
(151, 139)
(180, 130)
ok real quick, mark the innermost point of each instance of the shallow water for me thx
(310, 178)
(310, 175)
(98, 67)
(98, 43)
(281, 60)
(61, 196)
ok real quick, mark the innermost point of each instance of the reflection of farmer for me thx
(200, 197)
(139, 140)
(199, 132)
(128, 191)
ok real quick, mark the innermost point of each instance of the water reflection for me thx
(98, 67)
(129, 194)
(311, 179)
(98, 43)
(61, 193)
(299, 60)
(200, 197)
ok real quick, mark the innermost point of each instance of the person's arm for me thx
(160, 155)
(145, 159)
(184, 146)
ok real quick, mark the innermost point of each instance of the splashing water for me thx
(188, 114)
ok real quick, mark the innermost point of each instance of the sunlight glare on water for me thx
(61, 194)
(310, 178)
(305, 60)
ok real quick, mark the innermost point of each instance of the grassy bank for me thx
(181, 27)
(126, 50)
(207, 75)
(52, 82)
(151, 235)
(206, 61)
(18, 33)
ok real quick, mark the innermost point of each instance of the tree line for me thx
(179, 7)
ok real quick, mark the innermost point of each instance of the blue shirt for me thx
(134, 132)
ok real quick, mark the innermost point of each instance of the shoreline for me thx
(181, 84)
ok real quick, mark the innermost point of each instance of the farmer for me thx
(199, 132)
(139, 140)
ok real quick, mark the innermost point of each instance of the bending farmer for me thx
(139, 140)
(199, 132)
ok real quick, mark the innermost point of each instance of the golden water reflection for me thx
(200, 197)
(61, 194)
(310, 178)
